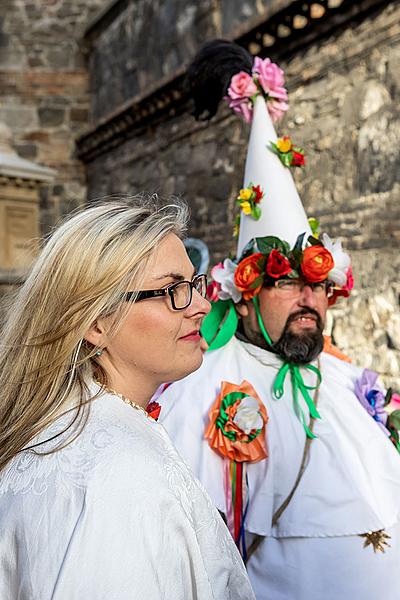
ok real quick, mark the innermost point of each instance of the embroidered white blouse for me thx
(115, 515)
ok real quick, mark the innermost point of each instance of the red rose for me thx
(316, 264)
(259, 193)
(277, 265)
(298, 159)
(213, 290)
(248, 278)
(153, 410)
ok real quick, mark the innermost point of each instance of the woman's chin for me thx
(189, 364)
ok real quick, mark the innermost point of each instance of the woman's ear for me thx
(96, 334)
(242, 309)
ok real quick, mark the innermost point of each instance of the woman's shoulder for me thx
(74, 452)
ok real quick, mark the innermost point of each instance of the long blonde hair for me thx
(86, 266)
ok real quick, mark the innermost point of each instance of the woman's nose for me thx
(198, 304)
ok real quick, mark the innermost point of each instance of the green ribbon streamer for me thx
(218, 328)
(298, 385)
(220, 325)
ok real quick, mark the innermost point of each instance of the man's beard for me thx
(300, 348)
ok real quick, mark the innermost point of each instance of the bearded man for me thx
(292, 443)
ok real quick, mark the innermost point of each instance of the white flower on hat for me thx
(224, 275)
(341, 259)
(247, 416)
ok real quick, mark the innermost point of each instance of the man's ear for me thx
(96, 334)
(242, 309)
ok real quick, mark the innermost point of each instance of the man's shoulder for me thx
(338, 368)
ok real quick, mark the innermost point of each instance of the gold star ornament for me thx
(377, 539)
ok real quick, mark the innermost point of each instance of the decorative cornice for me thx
(292, 27)
(12, 165)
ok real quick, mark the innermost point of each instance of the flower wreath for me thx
(266, 259)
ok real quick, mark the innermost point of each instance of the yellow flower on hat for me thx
(284, 144)
(245, 194)
(246, 207)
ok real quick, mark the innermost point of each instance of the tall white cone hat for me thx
(282, 212)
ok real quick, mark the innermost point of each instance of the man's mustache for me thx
(304, 312)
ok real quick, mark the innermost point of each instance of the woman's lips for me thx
(193, 336)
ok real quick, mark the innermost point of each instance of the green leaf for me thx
(248, 250)
(293, 274)
(298, 149)
(274, 148)
(314, 241)
(394, 419)
(297, 255)
(394, 434)
(299, 242)
(270, 242)
(256, 212)
(314, 224)
(258, 281)
(388, 396)
(286, 158)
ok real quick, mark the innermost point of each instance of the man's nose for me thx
(307, 297)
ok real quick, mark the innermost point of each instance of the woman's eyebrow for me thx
(176, 276)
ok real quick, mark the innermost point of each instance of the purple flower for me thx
(372, 397)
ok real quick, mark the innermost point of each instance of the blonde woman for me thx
(94, 501)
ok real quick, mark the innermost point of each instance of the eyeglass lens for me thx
(294, 287)
(182, 292)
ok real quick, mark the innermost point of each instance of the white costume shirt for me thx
(351, 484)
(115, 515)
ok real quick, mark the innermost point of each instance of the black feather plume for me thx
(210, 73)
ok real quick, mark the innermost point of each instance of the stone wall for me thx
(150, 39)
(44, 95)
(345, 96)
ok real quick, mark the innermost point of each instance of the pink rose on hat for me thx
(242, 86)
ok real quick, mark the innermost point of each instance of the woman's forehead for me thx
(170, 260)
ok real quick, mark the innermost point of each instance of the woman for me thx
(94, 501)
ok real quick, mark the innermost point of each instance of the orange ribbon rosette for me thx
(237, 423)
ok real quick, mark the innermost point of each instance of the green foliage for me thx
(256, 212)
(388, 396)
(313, 241)
(268, 243)
(394, 420)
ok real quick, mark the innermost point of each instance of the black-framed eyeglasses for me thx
(294, 287)
(180, 293)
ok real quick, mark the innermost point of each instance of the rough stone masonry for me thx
(344, 93)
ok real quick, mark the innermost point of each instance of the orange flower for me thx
(316, 264)
(225, 436)
(248, 276)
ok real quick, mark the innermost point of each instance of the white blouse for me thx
(114, 515)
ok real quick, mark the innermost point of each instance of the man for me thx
(277, 430)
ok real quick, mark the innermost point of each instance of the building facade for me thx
(113, 82)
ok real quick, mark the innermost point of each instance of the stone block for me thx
(51, 117)
(28, 151)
